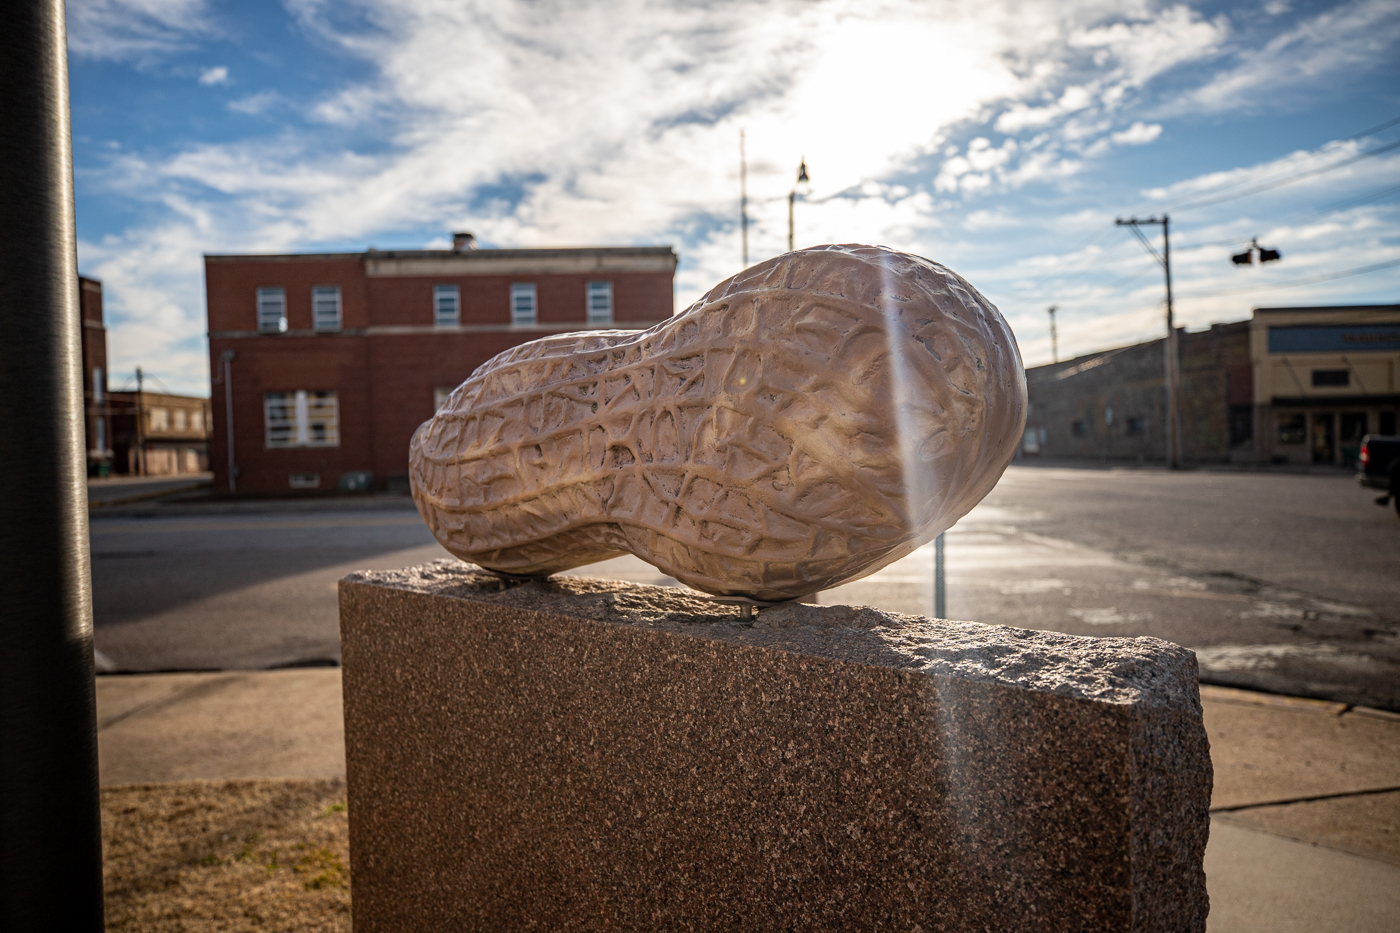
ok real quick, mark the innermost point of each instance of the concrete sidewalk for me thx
(1305, 833)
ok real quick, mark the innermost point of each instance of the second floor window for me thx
(272, 310)
(522, 304)
(159, 420)
(325, 307)
(301, 419)
(447, 306)
(600, 303)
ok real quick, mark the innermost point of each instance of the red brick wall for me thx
(288, 363)
(94, 357)
(232, 291)
(384, 382)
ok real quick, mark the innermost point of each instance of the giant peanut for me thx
(806, 422)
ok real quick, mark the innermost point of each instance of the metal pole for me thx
(227, 358)
(1170, 361)
(940, 594)
(792, 196)
(50, 825)
(1173, 358)
(140, 427)
(1054, 337)
(744, 197)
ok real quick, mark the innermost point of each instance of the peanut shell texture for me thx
(805, 423)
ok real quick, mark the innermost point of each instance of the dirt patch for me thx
(227, 856)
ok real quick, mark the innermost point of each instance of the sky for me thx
(999, 138)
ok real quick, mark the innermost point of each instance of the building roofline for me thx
(549, 252)
(1316, 308)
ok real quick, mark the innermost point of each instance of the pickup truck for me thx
(1380, 466)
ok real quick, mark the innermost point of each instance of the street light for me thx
(802, 179)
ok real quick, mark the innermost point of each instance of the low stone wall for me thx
(579, 754)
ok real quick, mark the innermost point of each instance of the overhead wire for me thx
(1312, 280)
(1270, 170)
(1279, 183)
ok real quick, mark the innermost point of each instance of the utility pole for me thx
(1173, 375)
(802, 179)
(50, 823)
(227, 359)
(744, 197)
(140, 427)
(1054, 337)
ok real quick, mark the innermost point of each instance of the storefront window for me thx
(1292, 429)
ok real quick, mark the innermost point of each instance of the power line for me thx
(1379, 150)
(1266, 172)
(1313, 280)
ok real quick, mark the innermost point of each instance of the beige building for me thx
(1324, 377)
(157, 434)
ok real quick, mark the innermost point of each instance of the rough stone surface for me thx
(806, 422)
(577, 754)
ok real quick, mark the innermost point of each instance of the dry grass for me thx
(226, 856)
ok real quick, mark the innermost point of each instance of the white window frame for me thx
(524, 304)
(304, 418)
(599, 301)
(447, 306)
(272, 309)
(325, 307)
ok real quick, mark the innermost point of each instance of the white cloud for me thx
(554, 123)
(1152, 45)
(136, 30)
(1138, 134)
(1353, 36)
(257, 103)
(216, 75)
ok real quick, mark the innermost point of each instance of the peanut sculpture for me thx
(805, 423)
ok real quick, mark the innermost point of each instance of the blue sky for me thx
(1000, 138)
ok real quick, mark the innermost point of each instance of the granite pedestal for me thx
(577, 754)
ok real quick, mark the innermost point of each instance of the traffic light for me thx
(1247, 257)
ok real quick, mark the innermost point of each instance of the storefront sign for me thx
(1334, 338)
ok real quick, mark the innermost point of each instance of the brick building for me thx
(1112, 405)
(329, 362)
(1290, 385)
(159, 434)
(96, 424)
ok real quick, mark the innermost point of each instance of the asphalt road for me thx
(1282, 582)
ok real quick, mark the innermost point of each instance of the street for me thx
(1282, 582)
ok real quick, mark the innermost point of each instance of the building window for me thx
(197, 421)
(1077, 428)
(304, 480)
(600, 303)
(159, 420)
(98, 384)
(325, 307)
(1136, 425)
(272, 310)
(301, 419)
(180, 417)
(447, 305)
(1292, 429)
(522, 304)
(440, 396)
(1331, 378)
